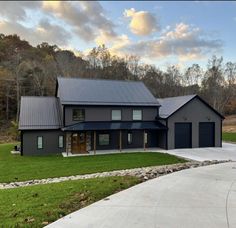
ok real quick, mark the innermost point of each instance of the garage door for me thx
(183, 135)
(206, 134)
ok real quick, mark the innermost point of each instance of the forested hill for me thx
(28, 70)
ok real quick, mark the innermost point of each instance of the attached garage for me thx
(191, 122)
(206, 134)
(183, 135)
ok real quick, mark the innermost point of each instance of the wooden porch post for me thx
(144, 146)
(94, 142)
(120, 140)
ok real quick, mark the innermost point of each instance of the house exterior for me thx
(88, 115)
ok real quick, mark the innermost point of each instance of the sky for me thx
(159, 32)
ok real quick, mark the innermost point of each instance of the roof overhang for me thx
(124, 125)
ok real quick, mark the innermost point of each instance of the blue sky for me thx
(161, 33)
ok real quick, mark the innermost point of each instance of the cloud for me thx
(184, 41)
(16, 10)
(142, 22)
(85, 18)
(44, 32)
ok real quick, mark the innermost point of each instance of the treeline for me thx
(26, 70)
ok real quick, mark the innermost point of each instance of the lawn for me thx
(20, 168)
(230, 137)
(35, 206)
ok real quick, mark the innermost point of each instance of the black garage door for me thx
(206, 134)
(183, 135)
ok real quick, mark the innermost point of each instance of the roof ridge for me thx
(101, 79)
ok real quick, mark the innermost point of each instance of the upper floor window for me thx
(78, 114)
(40, 142)
(137, 114)
(116, 115)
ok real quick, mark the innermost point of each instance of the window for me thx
(104, 139)
(137, 114)
(40, 142)
(61, 141)
(145, 138)
(130, 138)
(78, 114)
(116, 115)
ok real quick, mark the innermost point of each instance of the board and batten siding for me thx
(194, 112)
(50, 142)
(104, 113)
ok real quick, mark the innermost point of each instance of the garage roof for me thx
(40, 113)
(77, 91)
(170, 105)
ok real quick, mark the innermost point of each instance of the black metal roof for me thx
(170, 105)
(77, 91)
(40, 113)
(124, 125)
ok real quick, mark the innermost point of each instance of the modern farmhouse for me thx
(87, 115)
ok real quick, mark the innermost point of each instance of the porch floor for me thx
(115, 151)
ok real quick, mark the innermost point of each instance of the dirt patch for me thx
(229, 124)
(230, 120)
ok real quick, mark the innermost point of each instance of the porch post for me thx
(94, 142)
(144, 146)
(120, 140)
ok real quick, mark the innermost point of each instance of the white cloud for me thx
(85, 18)
(142, 22)
(16, 10)
(44, 32)
(184, 41)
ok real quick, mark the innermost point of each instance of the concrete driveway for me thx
(200, 197)
(226, 152)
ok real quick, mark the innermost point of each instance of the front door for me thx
(78, 143)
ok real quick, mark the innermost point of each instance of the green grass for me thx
(31, 206)
(20, 168)
(230, 137)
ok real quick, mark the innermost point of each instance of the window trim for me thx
(74, 109)
(61, 147)
(141, 114)
(120, 114)
(109, 139)
(38, 143)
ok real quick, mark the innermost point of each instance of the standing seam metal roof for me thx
(40, 113)
(79, 91)
(171, 104)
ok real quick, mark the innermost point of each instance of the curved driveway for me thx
(199, 197)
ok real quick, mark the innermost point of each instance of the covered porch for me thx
(93, 137)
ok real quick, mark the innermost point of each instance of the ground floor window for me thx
(61, 141)
(40, 142)
(130, 139)
(145, 138)
(104, 139)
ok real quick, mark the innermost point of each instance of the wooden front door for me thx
(78, 143)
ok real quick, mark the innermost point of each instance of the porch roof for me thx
(124, 125)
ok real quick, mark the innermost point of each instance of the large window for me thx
(78, 114)
(137, 114)
(130, 139)
(116, 115)
(40, 142)
(104, 139)
(61, 141)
